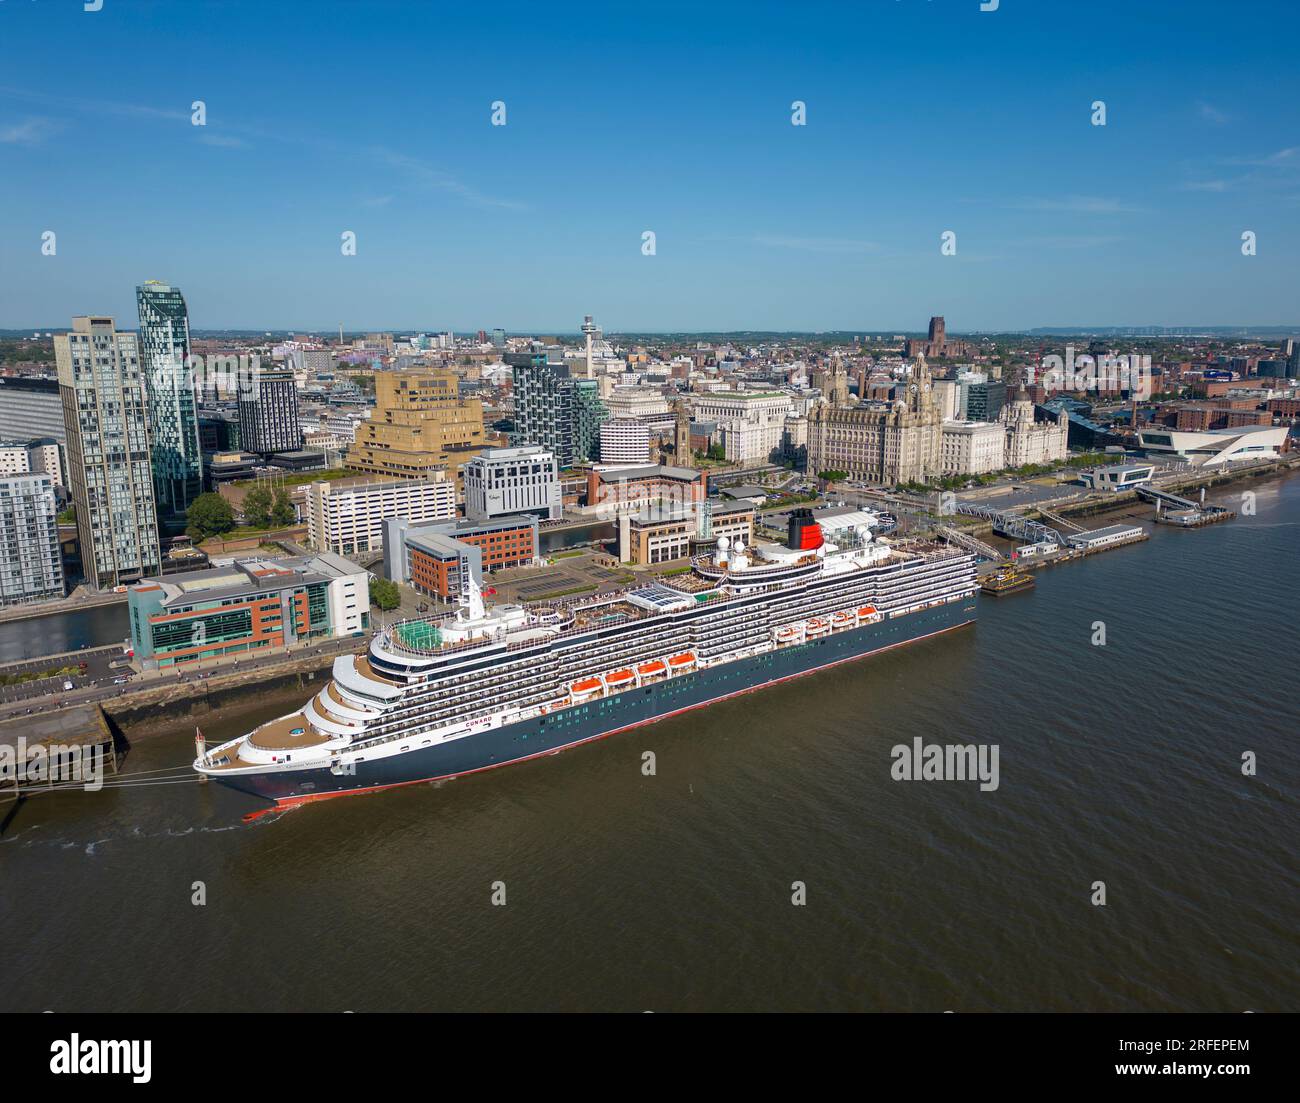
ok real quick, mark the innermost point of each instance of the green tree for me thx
(831, 476)
(209, 515)
(384, 594)
(257, 507)
(282, 511)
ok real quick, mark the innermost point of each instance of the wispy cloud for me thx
(27, 133)
(1211, 114)
(816, 244)
(419, 173)
(377, 201)
(1074, 204)
(430, 176)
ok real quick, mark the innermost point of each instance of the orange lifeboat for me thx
(818, 626)
(585, 688)
(866, 611)
(843, 620)
(682, 661)
(786, 634)
(619, 679)
(651, 669)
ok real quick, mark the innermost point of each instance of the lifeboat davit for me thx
(584, 688)
(652, 669)
(683, 661)
(787, 634)
(818, 626)
(619, 679)
(843, 620)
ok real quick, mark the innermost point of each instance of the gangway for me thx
(1015, 526)
(971, 543)
(1059, 521)
(1151, 494)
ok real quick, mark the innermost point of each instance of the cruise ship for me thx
(437, 698)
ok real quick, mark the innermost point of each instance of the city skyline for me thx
(759, 224)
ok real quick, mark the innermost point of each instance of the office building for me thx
(1030, 441)
(268, 410)
(31, 560)
(439, 558)
(420, 426)
(31, 408)
(971, 447)
(982, 399)
(43, 456)
(252, 605)
(347, 519)
(505, 481)
(751, 424)
(173, 423)
(624, 440)
(886, 444)
(661, 535)
(105, 414)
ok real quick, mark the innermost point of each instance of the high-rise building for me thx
(345, 518)
(173, 424)
(507, 481)
(938, 333)
(555, 410)
(499, 338)
(983, 401)
(268, 411)
(106, 418)
(31, 562)
(624, 440)
(420, 426)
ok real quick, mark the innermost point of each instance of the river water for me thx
(1119, 763)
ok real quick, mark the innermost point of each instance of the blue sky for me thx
(921, 117)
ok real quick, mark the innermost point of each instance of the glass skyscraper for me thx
(555, 410)
(174, 428)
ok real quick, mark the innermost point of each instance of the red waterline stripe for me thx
(293, 802)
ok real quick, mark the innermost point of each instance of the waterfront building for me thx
(252, 605)
(624, 440)
(661, 535)
(1216, 446)
(555, 410)
(173, 424)
(439, 558)
(971, 448)
(349, 519)
(506, 481)
(981, 399)
(31, 560)
(618, 487)
(885, 444)
(268, 411)
(636, 402)
(1118, 476)
(1030, 441)
(420, 425)
(105, 415)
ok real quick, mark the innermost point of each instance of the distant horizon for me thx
(1267, 330)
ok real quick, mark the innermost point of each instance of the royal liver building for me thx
(891, 443)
